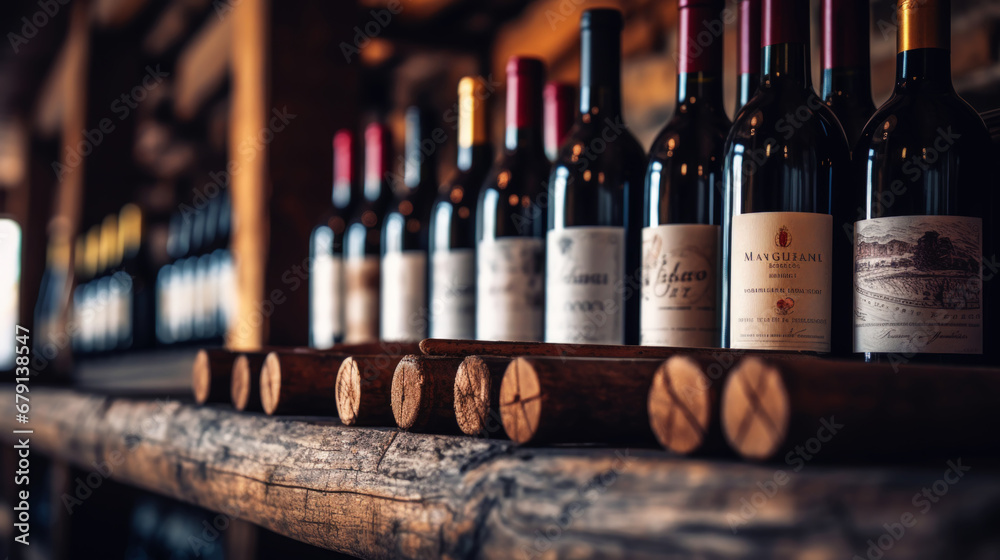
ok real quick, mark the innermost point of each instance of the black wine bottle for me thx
(748, 53)
(592, 266)
(47, 340)
(405, 236)
(682, 234)
(785, 158)
(453, 221)
(133, 283)
(363, 241)
(326, 251)
(928, 202)
(846, 84)
(510, 218)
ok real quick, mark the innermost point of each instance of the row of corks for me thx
(760, 406)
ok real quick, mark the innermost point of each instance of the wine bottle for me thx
(208, 274)
(682, 221)
(90, 320)
(226, 280)
(48, 308)
(785, 157)
(560, 112)
(592, 266)
(75, 325)
(510, 221)
(108, 292)
(748, 53)
(453, 221)
(363, 241)
(137, 305)
(195, 273)
(326, 248)
(846, 83)
(928, 203)
(405, 237)
(10, 286)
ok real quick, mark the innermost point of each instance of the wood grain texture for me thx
(211, 375)
(477, 395)
(364, 390)
(379, 493)
(851, 411)
(245, 381)
(423, 394)
(683, 406)
(577, 400)
(299, 383)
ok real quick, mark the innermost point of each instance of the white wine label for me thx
(584, 267)
(453, 294)
(781, 281)
(918, 285)
(326, 300)
(510, 289)
(361, 284)
(404, 296)
(680, 264)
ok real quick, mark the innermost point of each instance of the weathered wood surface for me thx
(380, 493)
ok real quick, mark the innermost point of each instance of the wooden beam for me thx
(203, 66)
(379, 493)
(250, 180)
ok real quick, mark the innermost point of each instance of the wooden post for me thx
(833, 410)
(423, 394)
(245, 387)
(684, 406)
(211, 375)
(299, 383)
(364, 390)
(477, 395)
(552, 400)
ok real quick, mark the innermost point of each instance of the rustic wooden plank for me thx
(379, 493)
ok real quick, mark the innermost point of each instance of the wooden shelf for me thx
(381, 493)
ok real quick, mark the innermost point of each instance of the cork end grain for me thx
(348, 391)
(680, 405)
(240, 387)
(755, 410)
(473, 386)
(408, 383)
(520, 401)
(201, 377)
(270, 383)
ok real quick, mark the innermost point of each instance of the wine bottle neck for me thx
(343, 168)
(524, 104)
(849, 81)
(746, 87)
(700, 87)
(930, 69)
(471, 121)
(786, 62)
(600, 70)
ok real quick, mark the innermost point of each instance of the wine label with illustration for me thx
(453, 294)
(918, 285)
(326, 300)
(584, 267)
(680, 265)
(510, 289)
(404, 296)
(361, 284)
(780, 287)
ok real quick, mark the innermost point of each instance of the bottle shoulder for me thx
(688, 137)
(913, 120)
